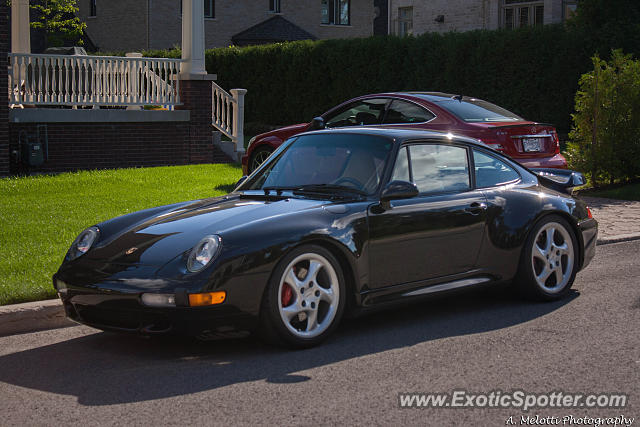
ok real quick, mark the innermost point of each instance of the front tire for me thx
(305, 298)
(549, 260)
(258, 157)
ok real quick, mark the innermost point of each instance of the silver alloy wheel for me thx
(259, 159)
(552, 257)
(308, 295)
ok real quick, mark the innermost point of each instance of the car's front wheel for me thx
(258, 157)
(305, 298)
(549, 260)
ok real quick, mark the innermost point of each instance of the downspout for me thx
(388, 17)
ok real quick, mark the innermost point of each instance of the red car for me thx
(530, 143)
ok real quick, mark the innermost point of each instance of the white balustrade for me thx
(227, 112)
(92, 80)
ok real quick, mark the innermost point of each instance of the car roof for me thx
(427, 96)
(399, 135)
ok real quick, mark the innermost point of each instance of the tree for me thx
(59, 21)
(605, 140)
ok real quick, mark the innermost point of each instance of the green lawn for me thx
(626, 192)
(41, 215)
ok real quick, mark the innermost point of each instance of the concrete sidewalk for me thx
(619, 221)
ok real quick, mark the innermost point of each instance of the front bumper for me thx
(109, 310)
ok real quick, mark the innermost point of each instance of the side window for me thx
(401, 168)
(406, 112)
(360, 113)
(491, 172)
(439, 168)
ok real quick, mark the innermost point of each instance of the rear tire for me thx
(549, 260)
(305, 298)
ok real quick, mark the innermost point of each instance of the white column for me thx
(20, 32)
(192, 38)
(238, 118)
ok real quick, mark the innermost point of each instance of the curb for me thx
(619, 238)
(32, 317)
(49, 314)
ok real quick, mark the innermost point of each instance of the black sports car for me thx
(335, 221)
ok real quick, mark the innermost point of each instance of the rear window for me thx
(477, 110)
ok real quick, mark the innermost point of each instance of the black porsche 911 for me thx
(335, 221)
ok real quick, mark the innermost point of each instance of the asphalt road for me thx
(483, 341)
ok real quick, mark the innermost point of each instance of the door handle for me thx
(476, 207)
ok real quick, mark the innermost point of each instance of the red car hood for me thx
(285, 132)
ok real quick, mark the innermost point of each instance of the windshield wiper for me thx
(329, 188)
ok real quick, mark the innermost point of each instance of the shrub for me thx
(605, 139)
(532, 71)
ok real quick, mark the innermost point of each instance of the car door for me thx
(436, 234)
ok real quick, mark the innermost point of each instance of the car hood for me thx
(163, 236)
(285, 132)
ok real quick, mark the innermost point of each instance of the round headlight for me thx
(83, 243)
(202, 253)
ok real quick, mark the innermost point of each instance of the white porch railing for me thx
(92, 80)
(227, 112)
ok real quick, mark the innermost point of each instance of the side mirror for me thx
(317, 123)
(399, 190)
(577, 179)
(240, 181)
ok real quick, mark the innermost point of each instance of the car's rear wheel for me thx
(258, 157)
(549, 260)
(305, 298)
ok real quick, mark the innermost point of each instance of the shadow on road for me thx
(106, 369)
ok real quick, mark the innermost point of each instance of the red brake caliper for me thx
(287, 295)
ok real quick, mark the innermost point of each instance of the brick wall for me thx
(119, 25)
(75, 146)
(112, 29)
(195, 96)
(4, 107)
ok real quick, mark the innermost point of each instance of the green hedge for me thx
(533, 71)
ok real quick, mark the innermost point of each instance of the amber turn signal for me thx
(207, 298)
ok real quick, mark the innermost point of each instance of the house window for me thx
(405, 21)
(274, 6)
(335, 12)
(570, 8)
(521, 13)
(92, 7)
(209, 8)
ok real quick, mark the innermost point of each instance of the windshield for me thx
(329, 161)
(477, 110)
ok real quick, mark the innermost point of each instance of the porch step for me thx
(227, 147)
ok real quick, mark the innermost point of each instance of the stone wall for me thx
(463, 15)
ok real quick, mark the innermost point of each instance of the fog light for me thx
(207, 298)
(61, 287)
(159, 300)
